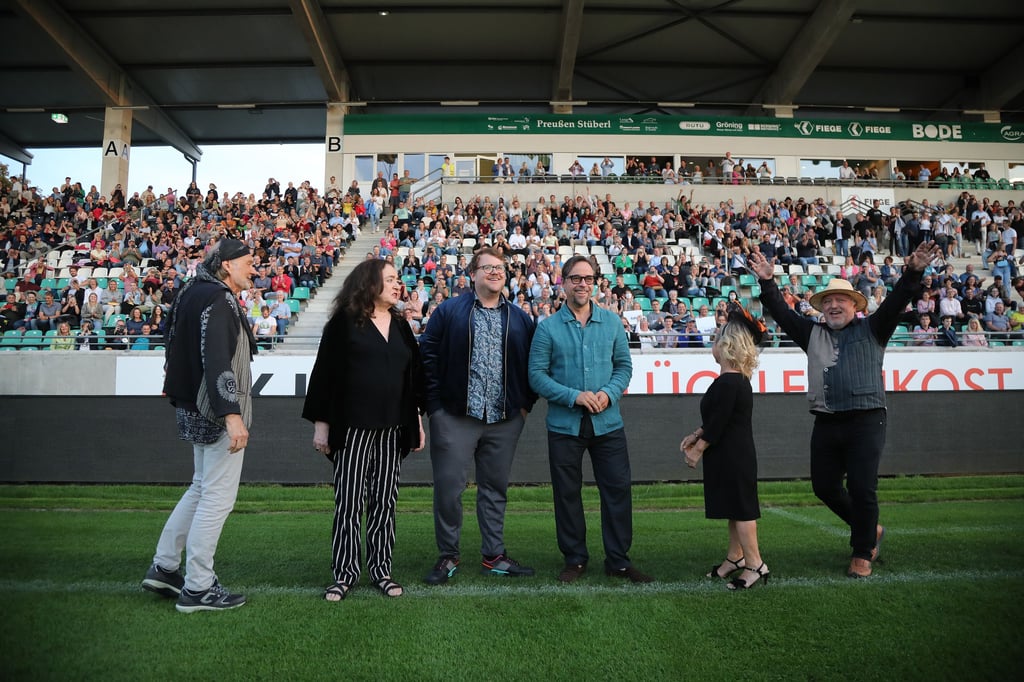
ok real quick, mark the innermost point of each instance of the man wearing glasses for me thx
(580, 362)
(475, 350)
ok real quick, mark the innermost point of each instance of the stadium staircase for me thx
(313, 316)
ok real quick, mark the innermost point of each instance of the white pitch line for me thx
(823, 526)
(523, 587)
(841, 531)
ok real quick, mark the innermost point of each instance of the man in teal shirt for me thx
(579, 362)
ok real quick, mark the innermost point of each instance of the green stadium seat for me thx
(697, 301)
(11, 340)
(301, 293)
(63, 283)
(630, 280)
(645, 303)
(48, 283)
(294, 305)
(747, 281)
(32, 337)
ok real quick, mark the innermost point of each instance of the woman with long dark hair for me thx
(366, 399)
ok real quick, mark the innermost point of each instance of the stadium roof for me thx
(242, 71)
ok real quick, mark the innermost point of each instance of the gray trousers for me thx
(196, 522)
(455, 441)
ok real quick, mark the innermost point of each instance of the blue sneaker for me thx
(444, 569)
(165, 583)
(214, 599)
(504, 565)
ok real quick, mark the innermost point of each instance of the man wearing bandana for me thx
(208, 379)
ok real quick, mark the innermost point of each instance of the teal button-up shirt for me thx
(567, 358)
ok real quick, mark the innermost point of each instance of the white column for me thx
(117, 144)
(334, 146)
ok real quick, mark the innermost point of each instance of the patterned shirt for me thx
(486, 399)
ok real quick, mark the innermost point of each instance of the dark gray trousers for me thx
(455, 442)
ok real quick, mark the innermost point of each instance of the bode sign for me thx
(568, 124)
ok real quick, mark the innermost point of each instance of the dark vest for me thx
(844, 369)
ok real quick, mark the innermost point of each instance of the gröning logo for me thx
(856, 129)
(804, 127)
(1012, 134)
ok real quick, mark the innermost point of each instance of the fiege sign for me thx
(780, 371)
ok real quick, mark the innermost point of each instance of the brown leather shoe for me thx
(859, 568)
(633, 574)
(879, 534)
(571, 573)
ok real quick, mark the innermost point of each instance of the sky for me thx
(235, 168)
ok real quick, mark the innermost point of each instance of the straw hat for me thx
(840, 286)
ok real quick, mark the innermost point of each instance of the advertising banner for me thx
(905, 370)
(651, 124)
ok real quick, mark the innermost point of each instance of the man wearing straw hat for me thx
(846, 392)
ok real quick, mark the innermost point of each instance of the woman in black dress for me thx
(366, 398)
(726, 435)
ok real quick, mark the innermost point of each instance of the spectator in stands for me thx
(86, 339)
(282, 313)
(64, 340)
(849, 433)
(947, 335)
(997, 323)
(264, 328)
(46, 314)
(135, 321)
(924, 334)
(974, 335)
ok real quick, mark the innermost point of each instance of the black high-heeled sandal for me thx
(740, 584)
(739, 565)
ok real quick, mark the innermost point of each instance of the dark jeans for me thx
(609, 456)
(850, 444)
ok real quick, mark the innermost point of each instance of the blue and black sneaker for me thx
(444, 569)
(216, 598)
(504, 565)
(165, 583)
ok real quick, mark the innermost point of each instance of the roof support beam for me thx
(572, 27)
(322, 48)
(13, 150)
(117, 87)
(798, 63)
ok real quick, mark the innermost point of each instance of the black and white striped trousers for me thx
(366, 473)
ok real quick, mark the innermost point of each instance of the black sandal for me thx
(386, 585)
(762, 577)
(713, 573)
(339, 590)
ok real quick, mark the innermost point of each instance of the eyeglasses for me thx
(581, 279)
(491, 269)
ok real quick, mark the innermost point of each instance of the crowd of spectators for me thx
(110, 267)
(667, 270)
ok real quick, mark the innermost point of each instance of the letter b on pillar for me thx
(334, 157)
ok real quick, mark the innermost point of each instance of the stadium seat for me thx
(645, 303)
(11, 340)
(294, 305)
(32, 337)
(301, 293)
(48, 283)
(697, 301)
